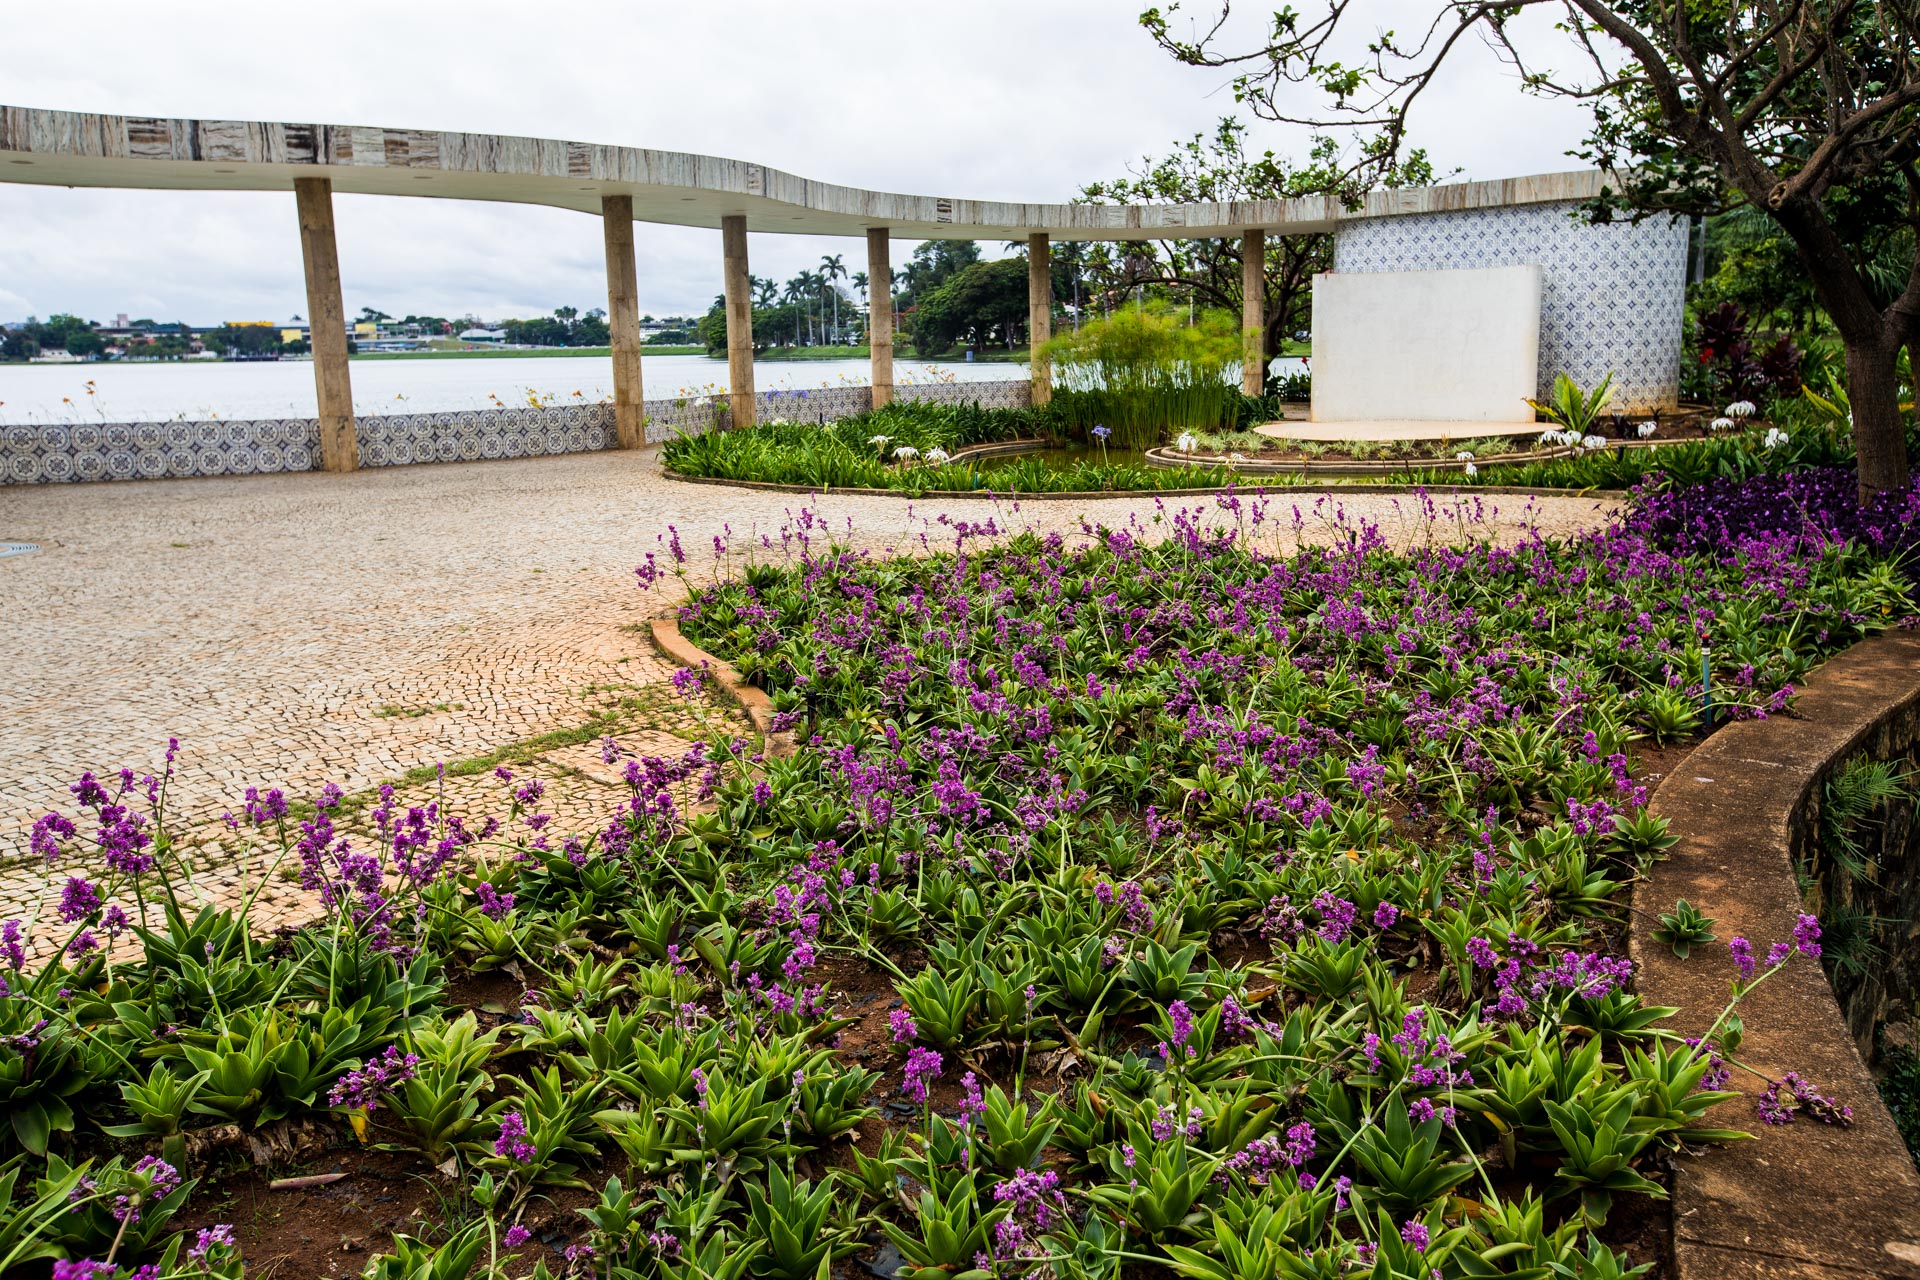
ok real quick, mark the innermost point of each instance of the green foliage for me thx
(984, 303)
(899, 447)
(1573, 409)
(1145, 375)
(1684, 928)
(1856, 791)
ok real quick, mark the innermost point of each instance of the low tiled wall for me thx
(64, 453)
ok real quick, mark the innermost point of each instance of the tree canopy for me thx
(1807, 111)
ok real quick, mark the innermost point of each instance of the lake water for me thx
(284, 388)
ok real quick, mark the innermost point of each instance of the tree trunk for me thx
(1879, 439)
(1873, 342)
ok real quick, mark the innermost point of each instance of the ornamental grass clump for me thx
(1157, 898)
(1146, 375)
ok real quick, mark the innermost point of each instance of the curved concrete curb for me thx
(1807, 1199)
(755, 702)
(1094, 495)
(1170, 458)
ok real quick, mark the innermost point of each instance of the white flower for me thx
(1472, 470)
(1236, 457)
(1647, 429)
(1721, 424)
(877, 441)
(1741, 409)
(1593, 442)
(906, 451)
(1774, 439)
(1187, 442)
(938, 456)
(1465, 455)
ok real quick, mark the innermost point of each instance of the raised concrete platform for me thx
(1394, 429)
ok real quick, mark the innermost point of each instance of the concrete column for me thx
(733, 248)
(1039, 315)
(880, 313)
(1253, 311)
(327, 320)
(623, 321)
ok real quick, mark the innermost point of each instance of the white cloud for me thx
(1000, 99)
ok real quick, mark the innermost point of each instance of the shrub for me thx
(1143, 374)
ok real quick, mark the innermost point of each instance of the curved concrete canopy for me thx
(80, 149)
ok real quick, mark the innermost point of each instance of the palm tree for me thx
(817, 293)
(832, 268)
(796, 290)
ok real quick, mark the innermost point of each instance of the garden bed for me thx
(1138, 904)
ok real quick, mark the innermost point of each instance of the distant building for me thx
(483, 335)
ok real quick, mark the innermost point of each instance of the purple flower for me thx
(1336, 916)
(78, 900)
(48, 831)
(82, 1269)
(1773, 1108)
(1182, 1019)
(1806, 937)
(362, 1090)
(1482, 954)
(155, 1179)
(218, 1235)
(1385, 915)
(1742, 952)
(923, 1067)
(517, 1235)
(512, 1144)
(904, 1029)
(12, 936)
(972, 1105)
(1415, 1234)
(494, 905)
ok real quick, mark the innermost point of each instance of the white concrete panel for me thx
(1428, 346)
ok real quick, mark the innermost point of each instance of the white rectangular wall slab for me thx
(1426, 346)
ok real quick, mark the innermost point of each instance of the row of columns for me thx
(326, 313)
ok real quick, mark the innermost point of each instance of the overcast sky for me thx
(995, 99)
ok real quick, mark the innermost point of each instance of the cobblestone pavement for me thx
(292, 630)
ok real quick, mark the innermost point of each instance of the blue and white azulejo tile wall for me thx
(1613, 296)
(473, 435)
(58, 453)
(36, 453)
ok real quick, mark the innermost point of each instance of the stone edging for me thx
(758, 706)
(1093, 495)
(1163, 456)
(1807, 1199)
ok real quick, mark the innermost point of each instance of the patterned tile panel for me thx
(666, 418)
(472, 435)
(1613, 295)
(56, 453)
(35, 453)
